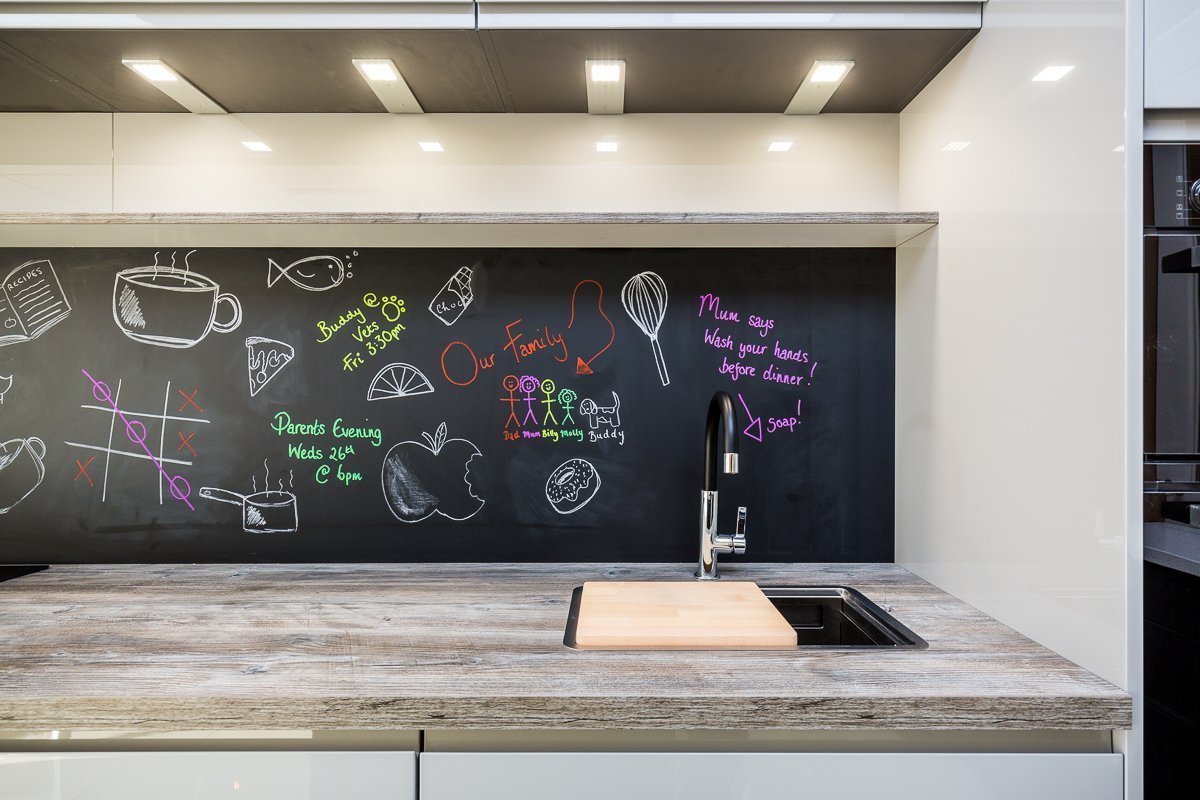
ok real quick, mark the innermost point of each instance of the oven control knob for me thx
(1194, 196)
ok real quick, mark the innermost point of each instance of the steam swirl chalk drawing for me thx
(645, 299)
(421, 479)
(572, 485)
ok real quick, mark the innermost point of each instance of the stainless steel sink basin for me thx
(822, 616)
(837, 616)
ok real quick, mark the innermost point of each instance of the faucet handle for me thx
(739, 532)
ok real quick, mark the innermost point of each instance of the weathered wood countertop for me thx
(480, 646)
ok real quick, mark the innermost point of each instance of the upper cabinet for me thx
(1172, 58)
(734, 56)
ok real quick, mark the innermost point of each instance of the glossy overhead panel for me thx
(305, 71)
(730, 14)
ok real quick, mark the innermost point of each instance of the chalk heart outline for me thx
(406, 490)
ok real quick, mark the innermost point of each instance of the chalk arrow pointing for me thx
(754, 429)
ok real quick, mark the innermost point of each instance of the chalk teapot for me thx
(21, 470)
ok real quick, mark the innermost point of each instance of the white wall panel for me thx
(1011, 456)
(491, 162)
(56, 162)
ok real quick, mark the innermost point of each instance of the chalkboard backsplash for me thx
(440, 404)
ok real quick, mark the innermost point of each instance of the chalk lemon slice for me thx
(398, 380)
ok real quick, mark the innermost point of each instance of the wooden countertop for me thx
(190, 647)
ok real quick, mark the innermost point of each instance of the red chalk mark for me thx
(83, 470)
(582, 366)
(186, 442)
(474, 364)
(189, 400)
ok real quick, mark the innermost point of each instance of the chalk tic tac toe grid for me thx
(132, 435)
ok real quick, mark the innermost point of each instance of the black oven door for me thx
(1172, 368)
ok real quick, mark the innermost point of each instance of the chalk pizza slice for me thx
(398, 380)
(265, 358)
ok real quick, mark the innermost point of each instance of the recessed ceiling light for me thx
(162, 77)
(377, 69)
(1052, 73)
(605, 71)
(152, 70)
(258, 147)
(388, 85)
(956, 147)
(779, 146)
(606, 147)
(432, 147)
(605, 86)
(822, 80)
(830, 71)
(1119, 148)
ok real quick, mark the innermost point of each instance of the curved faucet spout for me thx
(720, 455)
(722, 422)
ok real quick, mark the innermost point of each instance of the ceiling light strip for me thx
(161, 76)
(605, 81)
(385, 80)
(822, 80)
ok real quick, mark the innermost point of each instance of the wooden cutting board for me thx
(729, 615)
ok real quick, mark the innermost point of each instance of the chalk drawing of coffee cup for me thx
(170, 308)
(21, 470)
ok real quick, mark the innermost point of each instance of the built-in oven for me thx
(1172, 332)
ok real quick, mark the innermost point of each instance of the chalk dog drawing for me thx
(21, 470)
(572, 485)
(170, 307)
(266, 511)
(398, 380)
(421, 479)
(453, 298)
(645, 299)
(602, 415)
(32, 301)
(312, 274)
(5, 384)
(266, 358)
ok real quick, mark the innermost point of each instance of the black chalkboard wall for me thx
(230, 405)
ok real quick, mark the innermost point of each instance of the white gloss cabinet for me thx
(209, 776)
(1172, 54)
(771, 776)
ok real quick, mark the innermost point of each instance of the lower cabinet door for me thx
(771, 776)
(208, 776)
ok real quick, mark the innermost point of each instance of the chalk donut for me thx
(571, 486)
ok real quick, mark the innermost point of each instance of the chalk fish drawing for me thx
(170, 307)
(602, 415)
(421, 479)
(312, 274)
(32, 302)
(6, 382)
(398, 380)
(645, 299)
(452, 300)
(21, 470)
(572, 485)
(268, 511)
(266, 358)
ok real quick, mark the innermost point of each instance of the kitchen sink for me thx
(822, 616)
